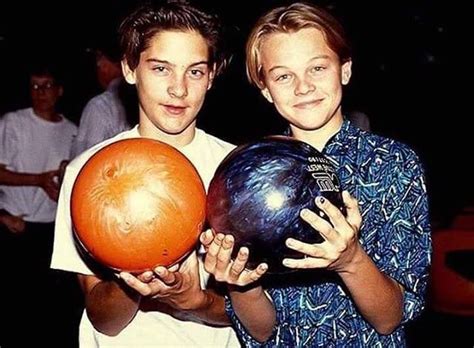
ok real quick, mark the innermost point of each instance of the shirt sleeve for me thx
(66, 256)
(407, 250)
(8, 140)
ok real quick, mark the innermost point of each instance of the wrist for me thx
(358, 259)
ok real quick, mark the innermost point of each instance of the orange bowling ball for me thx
(136, 204)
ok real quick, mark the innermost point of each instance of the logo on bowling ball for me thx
(260, 188)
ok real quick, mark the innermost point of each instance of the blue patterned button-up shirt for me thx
(387, 179)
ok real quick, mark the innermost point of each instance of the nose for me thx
(178, 87)
(304, 86)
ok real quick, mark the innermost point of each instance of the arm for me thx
(110, 305)
(251, 305)
(47, 180)
(378, 297)
(177, 291)
(15, 224)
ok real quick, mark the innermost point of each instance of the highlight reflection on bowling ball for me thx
(260, 188)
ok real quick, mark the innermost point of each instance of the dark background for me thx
(401, 75)
(403, 68)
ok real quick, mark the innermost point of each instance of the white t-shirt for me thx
(147, 328)
(30, 144)
(102, 118)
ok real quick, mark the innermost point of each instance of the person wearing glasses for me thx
(33, 142)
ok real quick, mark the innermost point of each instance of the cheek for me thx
(197, 91)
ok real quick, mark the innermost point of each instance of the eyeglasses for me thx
(44, 86)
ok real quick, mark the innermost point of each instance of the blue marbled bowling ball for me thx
(260, 188)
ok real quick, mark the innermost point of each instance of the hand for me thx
(15, 224)
(178, 286)
(219, 263)
(340, 244)
(49, 182)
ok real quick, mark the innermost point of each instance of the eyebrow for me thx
(322, 56)
(162, 61)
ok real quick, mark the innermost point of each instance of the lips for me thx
(308, 104)
(175, 109)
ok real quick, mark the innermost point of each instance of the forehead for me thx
(294, 47)
(177, 47)
(42, 78)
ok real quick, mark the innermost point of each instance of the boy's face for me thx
(172, 78)
(303, 78)
(44, 92)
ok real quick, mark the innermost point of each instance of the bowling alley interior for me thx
(402, 85)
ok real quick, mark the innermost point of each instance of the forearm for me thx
(10, 178)
(111, 307)
(255, 310)
(377, 296)
(209, 308)
(212, 310)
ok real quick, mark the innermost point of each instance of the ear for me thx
(266, 94)
(212, 74)
(128, 73)
(346, 71)
(60, 91)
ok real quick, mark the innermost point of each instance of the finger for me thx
(140, 287)
(313, 250)
(239, 264)
(333, 213)
(324, 228)
(354, 217)
(257, 273)
(206, 238)
(145, 277)
(306, 263)
(167, 277)
(224, 256)
(210, 260)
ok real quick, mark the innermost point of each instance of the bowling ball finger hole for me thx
(110, 172)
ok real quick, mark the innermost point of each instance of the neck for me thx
(176, 140)
(48, 115)
(318, 138)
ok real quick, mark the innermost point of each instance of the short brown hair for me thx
(140, 26)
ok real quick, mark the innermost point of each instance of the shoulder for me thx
(77, 163)
(68, 123)
(97, 102)
(385, 149)
(213, 143)
(16, 115)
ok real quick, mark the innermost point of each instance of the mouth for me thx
(174, 109)
(308, 104)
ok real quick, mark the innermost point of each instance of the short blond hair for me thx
(287, 19)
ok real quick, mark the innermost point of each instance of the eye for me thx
(318, 69)
(196, 73)
(160, 69)
(283, 78)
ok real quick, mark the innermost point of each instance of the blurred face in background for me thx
(106, 69)
(45, 92)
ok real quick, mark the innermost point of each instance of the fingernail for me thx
(321, 200)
